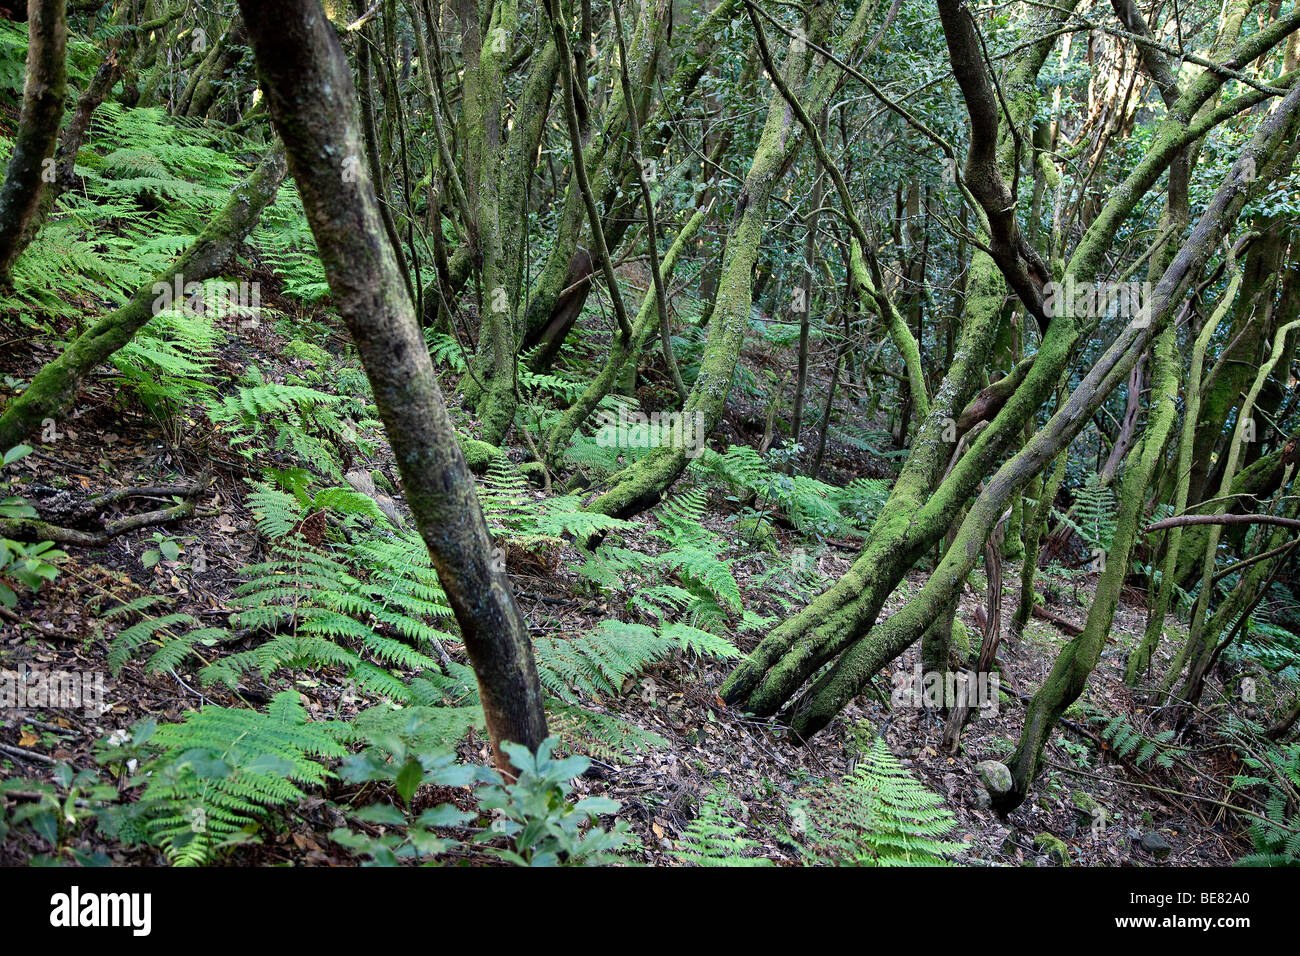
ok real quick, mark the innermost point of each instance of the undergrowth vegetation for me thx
(718, 511)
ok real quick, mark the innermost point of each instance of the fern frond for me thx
(713, 838)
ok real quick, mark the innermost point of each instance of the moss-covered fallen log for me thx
(36, 529)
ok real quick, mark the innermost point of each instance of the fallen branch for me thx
(24, 754)
(1180, 520)
(33, 529)
(1067, 627)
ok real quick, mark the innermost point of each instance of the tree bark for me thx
(1076, 661)
(57, 384)
(312, 101)
(843, 617)
(640, 486)
(38, 128)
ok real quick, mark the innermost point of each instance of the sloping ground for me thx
(273, 415)
(1145, 812)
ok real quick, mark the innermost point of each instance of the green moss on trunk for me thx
(1076, 661)
(55, 385)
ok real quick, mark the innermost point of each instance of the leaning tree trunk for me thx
(1034, 532)
(832, 691)
(205, 83)
(559, 292)
(105, 78)
(1199, 642)
(57, 383)
(621, 351)
(501, 222)
(117, 58)
(1234, 612)
(1139, 661)
(309, 89)
(803, 303)
(1076, 661)
(38, 128)
(1224, 385)
(918, 512)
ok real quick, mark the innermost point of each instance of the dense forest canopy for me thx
(724, 433)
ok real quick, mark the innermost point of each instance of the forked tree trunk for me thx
(120, 52)
(560, 291)
(1034, 532)
(803, 303)
(308, 87)
(918, 511)
(1200, 642)
(205, 83)
(840, 623)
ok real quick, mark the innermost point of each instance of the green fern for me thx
(367, 602)
(693, 555)
(149, 183)
(1095, 507)
(713, 838)
(350, 611)
(811, 506)
(1130, 744)
(599, 662)
(220, 773)
(447, 351)
(515, 511)
(578, 671)
(285, 243)
(311, 424)
(880, 815)
(1275, 771)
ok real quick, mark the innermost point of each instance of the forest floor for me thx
(108, 443)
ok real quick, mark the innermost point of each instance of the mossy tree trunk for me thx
(1034, 532)
(864, 658)
(917, 512)
(499, 208)
(641, 484)
(44, 87)
(1227, 381)
(621, 352)
(558, 294)
(1070, 673)
(1233, 613)
(57, 384)
(117, 58)
(1200, 639)
(1140, 660)
(486, 49)
(803, 300)
(206, 81)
